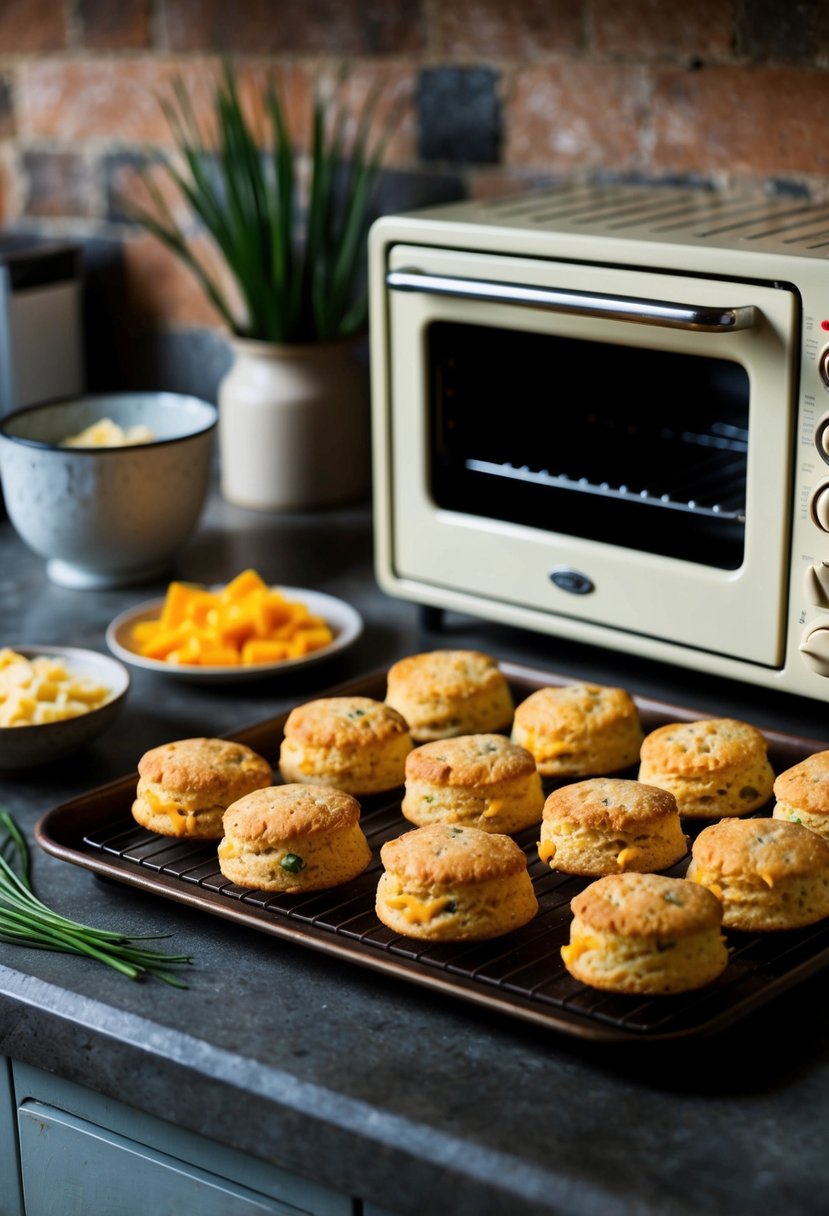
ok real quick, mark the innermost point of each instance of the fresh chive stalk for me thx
(27, 921)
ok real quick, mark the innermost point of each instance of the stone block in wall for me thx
(522, 29)
(574, 117)
(652, 29)
(57, 184)
(107, 98)
(764, 121)
(32, 26)
(459, 115)
(317, 27)
(124, 25)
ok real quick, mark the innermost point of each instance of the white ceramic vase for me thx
(294, 428)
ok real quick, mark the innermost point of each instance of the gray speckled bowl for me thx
(107, 517)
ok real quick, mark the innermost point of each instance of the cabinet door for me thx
(11, 1201)
(74, 1168)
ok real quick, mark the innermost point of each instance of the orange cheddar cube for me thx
(259, 651)
(242, 585)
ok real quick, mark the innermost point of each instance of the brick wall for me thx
(502, 95)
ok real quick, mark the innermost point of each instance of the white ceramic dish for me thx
(345, 622)
(28, 746)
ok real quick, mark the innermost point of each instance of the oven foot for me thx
(431, 618)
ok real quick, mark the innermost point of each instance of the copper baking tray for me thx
(520, 975)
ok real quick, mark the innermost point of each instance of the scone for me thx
(356, 744)
(579, 730)
(448, 883)
(443, 693)
(714, 768)
(768, 874)
(184, 787)
(646, 934)
(802, 794)
(479, 781)
(606, 824)
(293, 838)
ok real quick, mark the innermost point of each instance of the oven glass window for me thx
(636, 448)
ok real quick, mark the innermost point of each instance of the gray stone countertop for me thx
(377, 1088)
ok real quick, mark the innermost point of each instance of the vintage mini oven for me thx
(603, 413)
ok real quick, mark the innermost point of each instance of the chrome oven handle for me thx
(643, 312)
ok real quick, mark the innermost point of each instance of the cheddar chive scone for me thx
(645, 934)
(356, 744)
(184, 787)
(802, 794)
(444, 693)
(450, 883)
(768, 873)
(482, 781)
(607, 824)
(579, 730)
(714, 767)
(293, 838)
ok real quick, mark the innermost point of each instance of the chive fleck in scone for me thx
(645, 934)
(480, 781)
(605, 825)
(356, 744)
(768, 873)
(802, 794)
(293, 838)
(448, 883)
(714, 768)
(443, 693)
(579, 730)
(185, 786)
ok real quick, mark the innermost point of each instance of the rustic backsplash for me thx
(504, 95)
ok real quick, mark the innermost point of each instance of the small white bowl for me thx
(344, 621)
(107, 516)
(27, 746)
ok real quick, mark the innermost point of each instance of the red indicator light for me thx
(824, 325)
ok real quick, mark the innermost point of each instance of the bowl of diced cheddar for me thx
(54, 700)
(238, 630)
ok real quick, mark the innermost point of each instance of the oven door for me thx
(606, 444)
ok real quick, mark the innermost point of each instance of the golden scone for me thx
(449, 883)
(579, 730)
(185, 786)
(480, 781)
(293, 838)
(768, 874)
(443, 693)
(356, 744)
(606, 824)
(802, 794)
(646, 934)
(714, 767)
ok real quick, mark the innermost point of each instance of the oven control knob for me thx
(822, 434)
(814, 646)
(819, 505)
(823, 365)
(816, 585)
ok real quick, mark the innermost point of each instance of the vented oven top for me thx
(658, 214)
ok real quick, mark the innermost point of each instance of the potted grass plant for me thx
(294, 412)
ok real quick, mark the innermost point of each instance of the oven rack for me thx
(721, 481)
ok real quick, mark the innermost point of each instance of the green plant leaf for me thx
(297, 269)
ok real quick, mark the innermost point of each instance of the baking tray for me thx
(520, 975)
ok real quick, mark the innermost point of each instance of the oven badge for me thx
(573, 581)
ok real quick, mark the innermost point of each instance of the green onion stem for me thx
(26, 921)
